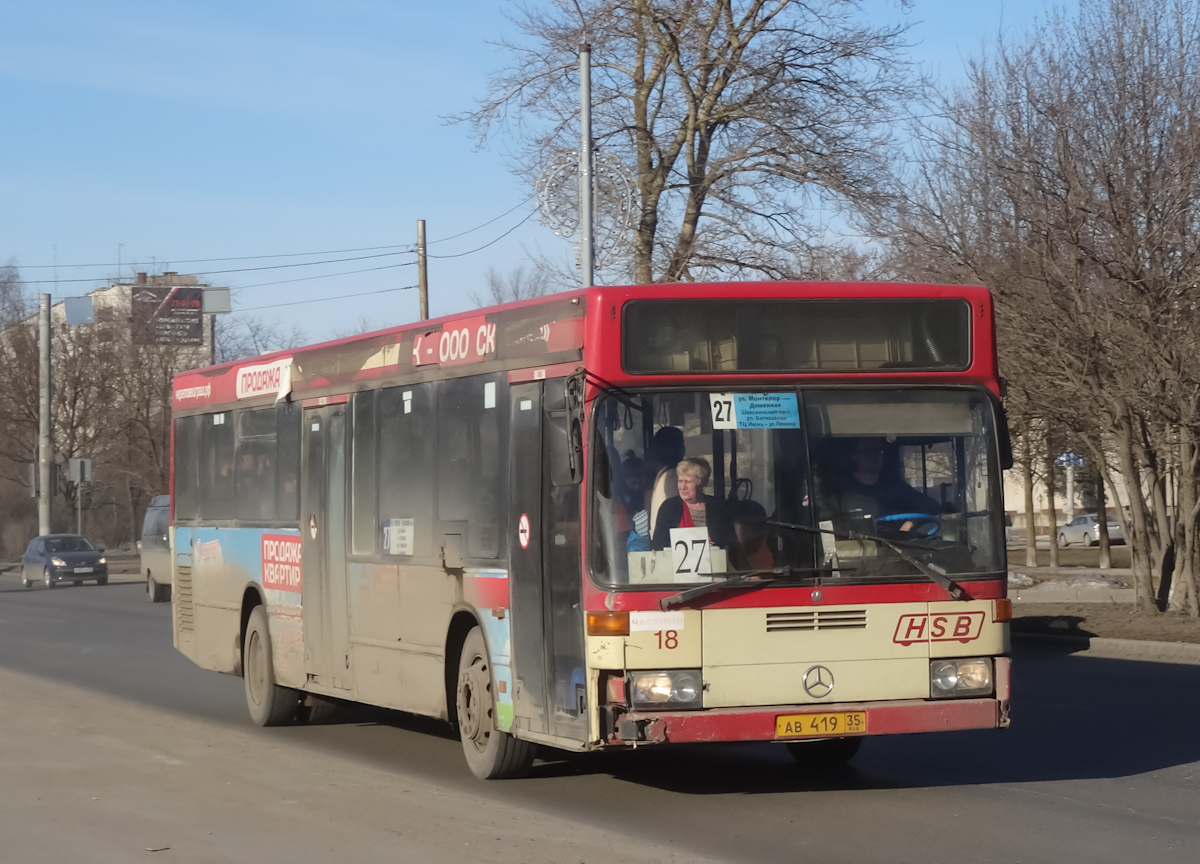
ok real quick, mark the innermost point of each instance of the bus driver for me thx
(874, 486)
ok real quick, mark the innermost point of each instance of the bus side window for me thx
(472, 438)
(363, 475)
(216, 467)
(407, 454)
(187, 456)
(288, 461)
(255, 468)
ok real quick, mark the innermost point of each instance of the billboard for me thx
(168, 315)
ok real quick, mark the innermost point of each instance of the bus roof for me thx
(546, 334)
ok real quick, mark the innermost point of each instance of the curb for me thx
(1184, 653)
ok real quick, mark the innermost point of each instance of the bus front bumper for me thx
(759, 724)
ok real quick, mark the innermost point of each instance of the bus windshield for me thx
(694, 486)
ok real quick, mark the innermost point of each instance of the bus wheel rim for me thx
(470, 705)
(254, 674)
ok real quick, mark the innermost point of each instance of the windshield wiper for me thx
(742, 579)
(930, 571)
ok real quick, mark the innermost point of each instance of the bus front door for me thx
(323, 531)
(544, 580)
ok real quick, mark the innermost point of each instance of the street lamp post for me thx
(586, 250)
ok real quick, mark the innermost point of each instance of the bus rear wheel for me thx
(269, 704)
(491, 754)
(824, 752)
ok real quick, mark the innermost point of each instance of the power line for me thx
(325, 275)
(492, 242)
(238, 269)
(324, 299)
(484, 225)
(403, 248)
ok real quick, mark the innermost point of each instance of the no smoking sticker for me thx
(523, 530)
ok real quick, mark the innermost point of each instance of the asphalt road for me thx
(1102, 762)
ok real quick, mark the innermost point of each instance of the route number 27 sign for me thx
(690, 552)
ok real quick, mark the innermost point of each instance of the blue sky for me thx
(163, 131)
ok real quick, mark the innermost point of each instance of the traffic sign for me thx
(1069, 460)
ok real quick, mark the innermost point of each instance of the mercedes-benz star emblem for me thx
(818, 682)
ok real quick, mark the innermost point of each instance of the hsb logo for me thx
(950, 627)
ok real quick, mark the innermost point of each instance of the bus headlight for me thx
(968, 677)
(667, 689)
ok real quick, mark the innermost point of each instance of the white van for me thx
(155, 549)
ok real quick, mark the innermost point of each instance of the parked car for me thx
(54, 558)
(155, 549)
(1085, 530)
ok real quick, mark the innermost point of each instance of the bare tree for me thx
(13, 304)
(732, 115)
(362, 324)
(1067, 176)
(521, 283)
(241, 336)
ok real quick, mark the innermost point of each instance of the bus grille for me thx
(817, 619)
(183, 597)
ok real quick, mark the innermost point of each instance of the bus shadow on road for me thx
(1074, 718)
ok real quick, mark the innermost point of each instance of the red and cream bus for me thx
(613, 517)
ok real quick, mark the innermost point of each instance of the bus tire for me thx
(824, 752)
(491, 754)
(158, 593)
(269, 704)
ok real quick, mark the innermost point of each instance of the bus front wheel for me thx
(491, 754)
(824, 752)
(158, 593)
(269, 704)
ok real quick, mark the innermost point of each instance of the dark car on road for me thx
(54, 558)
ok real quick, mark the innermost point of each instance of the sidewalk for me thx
(1069, 583)
(1072, 585)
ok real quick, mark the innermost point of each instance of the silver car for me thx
(155, 549)
(1085, 531)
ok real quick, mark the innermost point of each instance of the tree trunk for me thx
(1030, 512)
(1136, 534)
(1051, 508)
(1183, 580)
(1102, 520)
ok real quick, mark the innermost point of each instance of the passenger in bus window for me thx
(693, 509)
(665, 451)
(633, 504)
(750, 526)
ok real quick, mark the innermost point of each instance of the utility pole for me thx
(586, 251)
(422, 276)
(45, 457)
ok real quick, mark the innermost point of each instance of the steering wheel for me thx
(923, 527)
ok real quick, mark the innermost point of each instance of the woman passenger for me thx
(693, 509)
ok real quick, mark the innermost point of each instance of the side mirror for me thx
(563, 406)
(100, 547)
